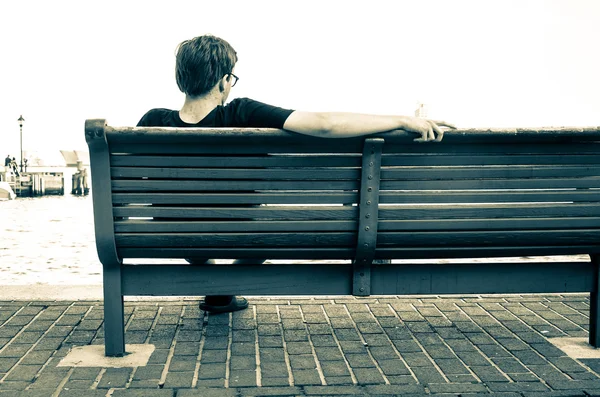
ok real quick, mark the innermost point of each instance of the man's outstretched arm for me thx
(344, 125)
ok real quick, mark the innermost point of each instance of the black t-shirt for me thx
(241, 112)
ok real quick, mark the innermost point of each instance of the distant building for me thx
(421, 111)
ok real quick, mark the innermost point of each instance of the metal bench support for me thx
(594, 303)
(368, 216)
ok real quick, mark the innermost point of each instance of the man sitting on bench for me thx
(205, 73)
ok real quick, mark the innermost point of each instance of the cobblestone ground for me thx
(446, 346)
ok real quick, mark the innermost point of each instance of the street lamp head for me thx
(21, 120)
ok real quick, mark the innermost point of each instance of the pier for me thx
(33, 184)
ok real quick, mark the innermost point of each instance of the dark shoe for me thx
(236, 303)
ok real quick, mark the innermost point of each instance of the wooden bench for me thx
(261, 193)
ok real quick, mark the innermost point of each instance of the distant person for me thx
(7, 160)
(25, 163)
(14, 166)
(205, 67)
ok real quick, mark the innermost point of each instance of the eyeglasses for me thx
(234, 81)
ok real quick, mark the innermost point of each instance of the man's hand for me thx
(428, 129)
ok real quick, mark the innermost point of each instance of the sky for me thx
(474, 63)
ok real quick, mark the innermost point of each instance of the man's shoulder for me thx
(156, 117)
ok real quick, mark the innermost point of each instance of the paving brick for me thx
(148, 372)
(366, 376)
(243, 336)
(187, 348)
(6, 363)
(338, 380)
(182, 363)
(274, 381)
(428, 374)
(334, 390)
(274, 370)
(323, 341)
(574, 384)
(211, 371)
(294, 348)
(460, 388)
(214, 356)
(37, 357)
(567, 364)
(516, 386)
(218, 343)
(334, 368)
(14, 385)
(270, 341)
(95, 393)
(353, 346)
(271, 391)
(244, 348)
(393, 367)
(114, 378)
(50, 378)
(78, 384)
(302, 361)
(179, 380)
(487, 373)
(242, 378)
(159, 356)
(303, 377)
(146, 393)
(85, 373)
(23, 373)
(328, 353)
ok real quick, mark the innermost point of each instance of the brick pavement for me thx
(446, 346)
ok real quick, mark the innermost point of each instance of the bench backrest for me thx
(264, 193)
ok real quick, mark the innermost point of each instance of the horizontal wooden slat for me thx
(510, 149)
(156, 186)
(488, 238)
(349, 253)
(198, 240)
(564, 223)
(480, 252)
(549, 183)
(488, 196)
(482, 211)
(488, 172)
(386, 197)
(235, 253)
(271, 212)
(385, 212)
(155, 226)
(336, 279)
(337, 239)
(250, 147)
(239, 198)
(336, 160)
(321, 160)
(403, 173)
(243, 174)
(433, 159)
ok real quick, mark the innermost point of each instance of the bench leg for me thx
(594, 303)
(114, 326)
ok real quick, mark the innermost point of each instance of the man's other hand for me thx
(430, 130)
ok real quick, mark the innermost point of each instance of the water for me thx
(49, 239)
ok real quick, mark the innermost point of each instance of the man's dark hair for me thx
(201, 62)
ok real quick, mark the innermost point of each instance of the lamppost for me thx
(21, 120)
